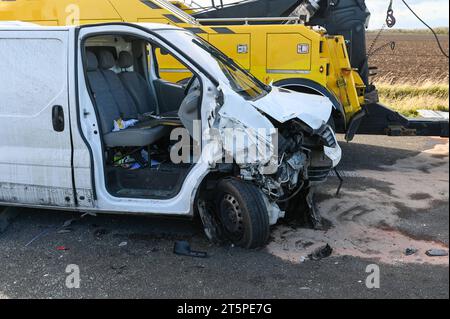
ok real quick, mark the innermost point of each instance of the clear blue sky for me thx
(434, 12)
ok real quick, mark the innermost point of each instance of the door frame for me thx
(183, 203)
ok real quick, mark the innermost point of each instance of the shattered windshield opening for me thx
(223, 68)
(240, 80)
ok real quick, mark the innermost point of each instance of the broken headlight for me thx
(328, 138)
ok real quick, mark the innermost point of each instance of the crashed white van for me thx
(87, 124)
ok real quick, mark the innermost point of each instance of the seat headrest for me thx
(125, 60)
(106, 59)
(92, 62)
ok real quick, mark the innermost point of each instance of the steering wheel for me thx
(189, 85)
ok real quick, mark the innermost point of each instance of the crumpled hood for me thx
(284, 105)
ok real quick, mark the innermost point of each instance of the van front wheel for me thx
(242, 213)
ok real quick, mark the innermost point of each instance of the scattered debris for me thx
(302, 259)
(183, 248)
(301, 244)
(62, 248)
(99, 233)
(437, 253)
(65, 231)
(314, 215)
(410, 251)
(122, 244)
(88, 214)
(41, 234)
(321, 252)
(68, 222)
(341, 181)
(119, 269)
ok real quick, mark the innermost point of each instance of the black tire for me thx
(235, 197)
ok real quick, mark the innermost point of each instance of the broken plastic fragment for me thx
(65, 231)
(122, 244)
(321, 252)
(68, 222)
(437, 253)
(183, 248)
(410, 251)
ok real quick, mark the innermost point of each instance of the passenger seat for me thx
(127, 107)
(109, 111)
(136, 85)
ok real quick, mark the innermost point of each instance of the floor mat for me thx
(162, 182)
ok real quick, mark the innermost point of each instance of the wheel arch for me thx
(312, 87)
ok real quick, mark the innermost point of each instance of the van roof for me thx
(15, 25)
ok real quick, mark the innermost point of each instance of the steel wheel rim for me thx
(231, 216)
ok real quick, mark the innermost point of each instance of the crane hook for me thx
(390, 19)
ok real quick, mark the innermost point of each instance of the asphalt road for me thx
(395, 195)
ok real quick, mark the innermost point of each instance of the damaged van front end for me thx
(223, 145)
(266, 148)
(287, 148)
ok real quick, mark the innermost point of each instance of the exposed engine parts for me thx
(301, 165)
(301, 162)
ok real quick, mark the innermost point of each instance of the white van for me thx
(87, 124)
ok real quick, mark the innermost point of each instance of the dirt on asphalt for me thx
(395, 196)
(364, 220)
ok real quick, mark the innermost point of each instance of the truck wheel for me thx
(243, 214)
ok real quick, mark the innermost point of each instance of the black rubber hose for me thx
(430, 28)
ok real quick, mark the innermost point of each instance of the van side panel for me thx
(35, 159)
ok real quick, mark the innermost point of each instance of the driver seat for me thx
(136, 85)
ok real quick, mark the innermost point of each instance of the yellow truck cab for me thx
(291, 56)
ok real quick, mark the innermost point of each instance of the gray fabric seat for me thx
(136, 85)
(127, 106)
(135, 137)
(107, 108)
(109, 111)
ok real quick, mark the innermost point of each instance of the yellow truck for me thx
(292, 56)
(278, 50)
